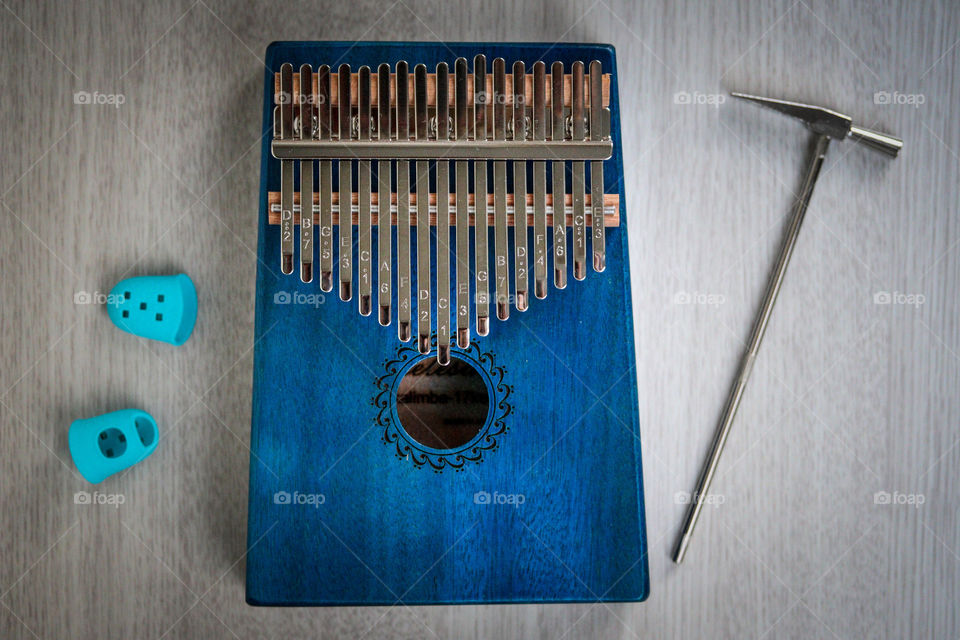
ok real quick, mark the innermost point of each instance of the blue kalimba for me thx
(441, 413)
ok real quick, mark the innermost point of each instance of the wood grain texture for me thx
(849, 398)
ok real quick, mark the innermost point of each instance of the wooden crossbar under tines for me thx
(611, 207)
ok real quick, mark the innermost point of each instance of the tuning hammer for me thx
(827, 125)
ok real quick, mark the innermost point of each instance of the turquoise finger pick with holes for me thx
(103, 445)
(156, 307)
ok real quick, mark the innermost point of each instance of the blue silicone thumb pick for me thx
(104, 445)
(156, 307)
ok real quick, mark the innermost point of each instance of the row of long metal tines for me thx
(307, 111)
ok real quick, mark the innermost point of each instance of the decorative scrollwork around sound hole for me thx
(442, 416)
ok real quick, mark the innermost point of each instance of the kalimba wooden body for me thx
(380, 476)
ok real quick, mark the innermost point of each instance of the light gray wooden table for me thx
(850, 397)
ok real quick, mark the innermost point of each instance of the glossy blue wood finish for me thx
(564, 433)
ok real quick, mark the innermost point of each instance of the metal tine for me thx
(501, 246)
(326, 181)
(286, 170)
(520, 188)
(384, 226)
(306, 100)
(423, 213)
(463, 215)
(364, 177)
(540, 182)
(480, 230)
(404, 302)
(559, 180)
(345, 226)
(443, 218)
(596, 168)
(578, 176)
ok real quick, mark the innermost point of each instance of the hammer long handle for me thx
(821, 144)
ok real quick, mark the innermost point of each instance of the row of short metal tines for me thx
(479, 92)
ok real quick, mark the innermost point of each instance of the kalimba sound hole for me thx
(442, 407)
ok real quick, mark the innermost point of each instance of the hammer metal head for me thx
(829, 123)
